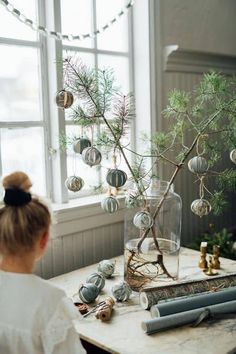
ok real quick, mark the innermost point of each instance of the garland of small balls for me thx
(57, 35)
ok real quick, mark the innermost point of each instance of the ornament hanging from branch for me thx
(201, 207)
(64, 99)
(198, 165)
(143, 220)
(74, 183)
(233, 156)
(80, 144)
(110, 204)
(91, 156)
(116, 178)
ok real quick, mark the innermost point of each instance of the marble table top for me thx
(123, 333)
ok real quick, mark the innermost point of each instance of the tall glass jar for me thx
(152, 236)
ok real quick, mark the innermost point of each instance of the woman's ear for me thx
(44, 240)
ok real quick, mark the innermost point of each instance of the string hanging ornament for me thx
(58, 35)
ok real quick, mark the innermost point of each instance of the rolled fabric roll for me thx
(193, 302)
(151, 296)
(187, 317)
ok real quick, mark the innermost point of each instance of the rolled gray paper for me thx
(151, 296)
(193, 302)
(187, 317)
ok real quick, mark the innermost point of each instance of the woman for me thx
(36, 317)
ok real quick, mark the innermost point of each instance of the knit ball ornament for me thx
(201, 207)
(106, 267)
(91, 156)
(143, 220)
(80, 144)
(121, 291)
(74, 183)
(110, 205)
(97, 279)
(88, 292)
(198, 164)
(64, 99)
(233, 156)
(116, 178)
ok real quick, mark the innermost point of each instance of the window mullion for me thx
(57, 119)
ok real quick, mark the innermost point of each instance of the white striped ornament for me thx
(116, 178)
(198, 164)
(110, 205)
(91, 156)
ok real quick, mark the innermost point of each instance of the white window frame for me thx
(53, 120)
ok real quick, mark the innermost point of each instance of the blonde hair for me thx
(21, 226)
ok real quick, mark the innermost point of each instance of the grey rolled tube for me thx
(183, 318)
(193, 302)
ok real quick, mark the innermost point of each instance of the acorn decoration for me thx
(80, 144)
(198, 164)
(121, 291)
(233, 156)
(116, 178)
(110, 204)
(143, 220)
(91, 156)
(201, 207)
(88, 292)
(106, 267)
(97, 279)
(74, 183)
(64, 99)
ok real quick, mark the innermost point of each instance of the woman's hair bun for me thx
(17, 180)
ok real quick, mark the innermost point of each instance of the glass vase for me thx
(152, 252)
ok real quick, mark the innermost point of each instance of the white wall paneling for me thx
(73, 251)
(191, 40)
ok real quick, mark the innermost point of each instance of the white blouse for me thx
(36, 317)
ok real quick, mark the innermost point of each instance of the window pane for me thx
(115, 37)
(23, 150)
(120, 65)
(19, 82)
(75, 164)
(76, 17)
(13, 28)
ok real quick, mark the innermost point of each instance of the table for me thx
(123, 333)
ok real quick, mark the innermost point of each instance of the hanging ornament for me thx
(80, 144)
(198, 164)
(121, 291)
(233, 156)
(64, 99)
(74, 183)
(97, 279)
(110, 204)
(88, 292)
(116, 178)
(91, 156)
(201, 207)
(143, 220)
(106, 267)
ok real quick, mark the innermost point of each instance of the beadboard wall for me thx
(81, 236)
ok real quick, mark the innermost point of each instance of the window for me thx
(22, 126)
(27, 135)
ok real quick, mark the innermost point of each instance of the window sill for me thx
(82, 214)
